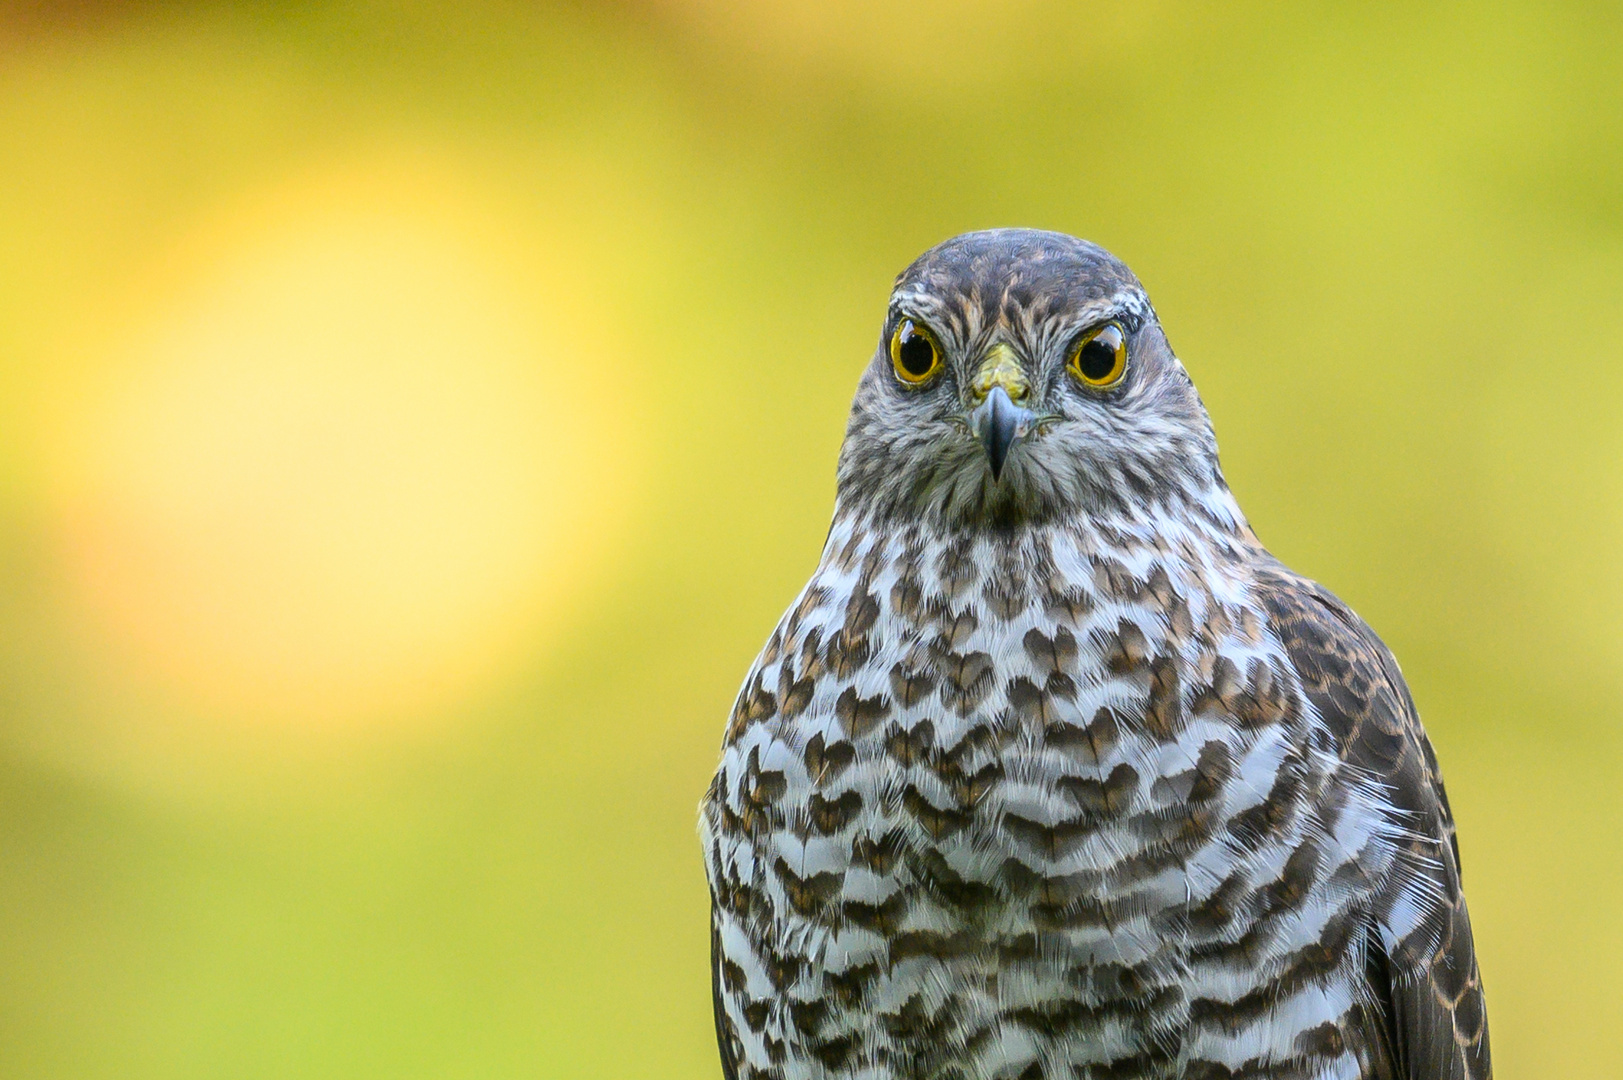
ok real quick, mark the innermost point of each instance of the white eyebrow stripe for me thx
(958, 318)
(1123, 302)
(924, 302)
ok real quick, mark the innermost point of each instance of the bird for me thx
(1051, 769)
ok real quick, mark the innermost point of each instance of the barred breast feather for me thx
(1111, 799)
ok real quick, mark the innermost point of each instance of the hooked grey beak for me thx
(999, 423)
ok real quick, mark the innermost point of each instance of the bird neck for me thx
(1210, 512)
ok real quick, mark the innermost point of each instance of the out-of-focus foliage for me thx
(413, 417)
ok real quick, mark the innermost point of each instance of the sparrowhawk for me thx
(1052, 770)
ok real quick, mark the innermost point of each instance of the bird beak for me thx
(999, 423)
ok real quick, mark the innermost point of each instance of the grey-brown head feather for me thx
(908, 450)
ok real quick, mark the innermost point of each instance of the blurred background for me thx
(414, 417)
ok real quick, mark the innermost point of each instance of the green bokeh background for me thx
(1386, 240)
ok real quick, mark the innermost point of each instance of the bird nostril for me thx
(1012, 383)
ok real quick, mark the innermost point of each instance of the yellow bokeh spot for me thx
(338, 469)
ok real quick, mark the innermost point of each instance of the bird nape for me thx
(1052, 770)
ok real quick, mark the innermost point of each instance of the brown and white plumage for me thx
(1051, 770)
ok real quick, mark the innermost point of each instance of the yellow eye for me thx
(914, 353)
(1100, 359)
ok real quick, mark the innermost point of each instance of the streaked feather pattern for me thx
(1067, 777)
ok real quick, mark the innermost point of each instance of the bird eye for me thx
(1100, 359)
(914, 353)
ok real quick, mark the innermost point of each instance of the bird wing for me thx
(724, 1036)
(1428, 1020)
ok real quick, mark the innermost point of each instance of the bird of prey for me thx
(1052, 770)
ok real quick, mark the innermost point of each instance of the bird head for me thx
(1022, 376)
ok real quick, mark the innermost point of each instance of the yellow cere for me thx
(1001, 368)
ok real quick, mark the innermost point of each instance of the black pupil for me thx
(918, 356)
(1098, 358)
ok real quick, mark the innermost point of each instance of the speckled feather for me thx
(1061, 774)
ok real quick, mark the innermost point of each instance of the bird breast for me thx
(997, 790)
